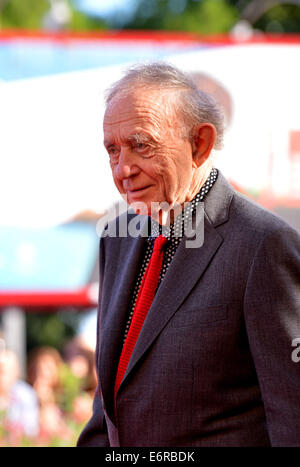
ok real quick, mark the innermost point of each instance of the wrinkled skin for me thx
(150, 158)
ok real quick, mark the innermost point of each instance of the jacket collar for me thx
(218, 201)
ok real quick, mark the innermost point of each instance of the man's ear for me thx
(204, 137)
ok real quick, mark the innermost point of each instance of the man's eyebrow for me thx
(140, 138)
(135, 138)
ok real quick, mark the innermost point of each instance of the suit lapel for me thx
(114, 314)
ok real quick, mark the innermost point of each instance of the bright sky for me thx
(104, 7)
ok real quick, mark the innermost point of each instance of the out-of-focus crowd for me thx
(49, 406)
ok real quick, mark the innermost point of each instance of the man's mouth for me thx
(138, 190)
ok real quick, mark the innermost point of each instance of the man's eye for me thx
(142, 148)
(112, 150)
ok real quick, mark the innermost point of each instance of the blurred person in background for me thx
(44, 369)
(65, 388)
(44, 365)
(82, 408)
(18, 400)
(80, 360)
(221, 95)
(217, 90)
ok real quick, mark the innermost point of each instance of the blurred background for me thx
(56, 59)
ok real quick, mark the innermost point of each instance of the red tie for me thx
(143, 303)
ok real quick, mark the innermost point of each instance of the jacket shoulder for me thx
(255, 218)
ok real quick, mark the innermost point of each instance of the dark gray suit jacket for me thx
(212, 365)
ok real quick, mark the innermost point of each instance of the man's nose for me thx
(125, 167)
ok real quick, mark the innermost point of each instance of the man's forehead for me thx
(141, 102)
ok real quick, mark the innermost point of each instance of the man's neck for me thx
(200, 176)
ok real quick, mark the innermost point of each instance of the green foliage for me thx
(81, 22)
(205, 17)
(53, 330)
(24, 14)
(281, 18)
(209, 16)
(30, 14)
(199, 16)
(71, 386)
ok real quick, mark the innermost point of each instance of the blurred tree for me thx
(51, 329)
(205, 16)
(213, 16)
(200, 16)
(25, 14)
(31, 14)
(280, 18)
(270, 15)
(81, 22)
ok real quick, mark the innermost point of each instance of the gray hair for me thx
(195, 106)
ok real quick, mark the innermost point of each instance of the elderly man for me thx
(195, 341)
